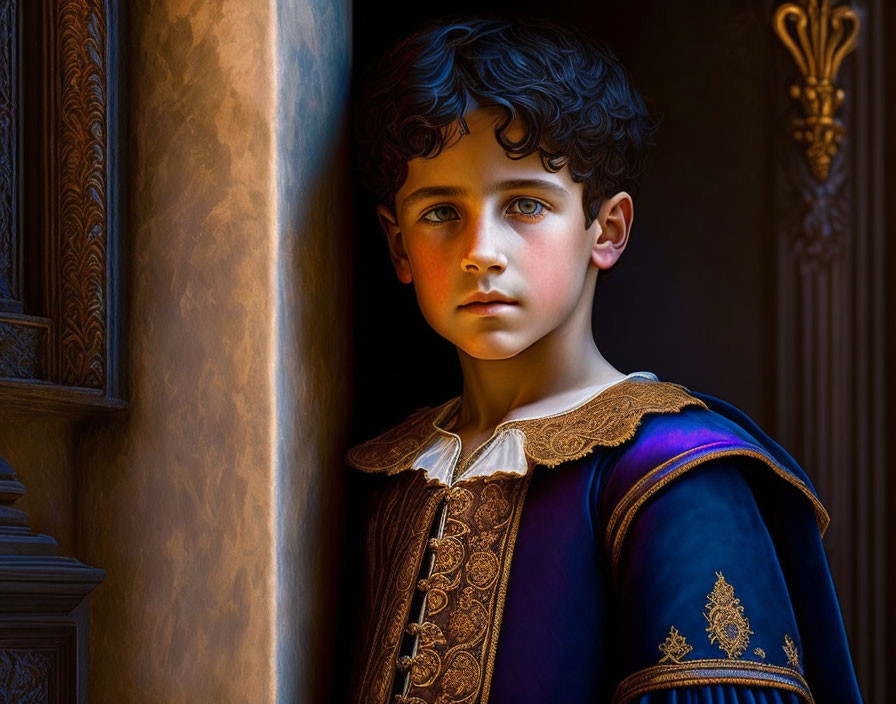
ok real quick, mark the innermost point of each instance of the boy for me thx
(561, 532)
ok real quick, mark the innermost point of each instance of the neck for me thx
(560, 364)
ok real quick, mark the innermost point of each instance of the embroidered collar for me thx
(607, 419)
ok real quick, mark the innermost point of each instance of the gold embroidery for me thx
(728, 627)
(425, 666)
(507, 557)
(428, 632)
(397, 542)
(394, 450)
(449, 552)
(702, 673)
(675, 647)
(793, 656)
(404, 699)
(759, 652)
(608, 420)
(465, 593)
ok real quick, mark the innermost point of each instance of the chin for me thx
(492, 350)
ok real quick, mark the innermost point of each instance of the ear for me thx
(397, 252)
(611, 228)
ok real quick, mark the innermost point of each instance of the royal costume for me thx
(650, 544)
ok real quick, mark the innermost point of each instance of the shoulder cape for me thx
(714, 537)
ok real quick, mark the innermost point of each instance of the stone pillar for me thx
(211, 503)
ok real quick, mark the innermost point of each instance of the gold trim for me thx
(394, 450)
(632, 501)
(409, 508)
(607, 419)
(818, 54)
(502, 593)
(701, 673)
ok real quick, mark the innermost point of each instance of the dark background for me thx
(698, 296)
(692, 297)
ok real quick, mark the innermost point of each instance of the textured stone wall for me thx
(209, 504)
(176, 499)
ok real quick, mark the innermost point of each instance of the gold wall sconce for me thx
(819, 37)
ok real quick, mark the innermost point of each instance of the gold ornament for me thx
(675, 647)
(817, 37)
(728, 627)
(789, 648)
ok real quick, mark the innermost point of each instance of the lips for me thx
(485, 298)
(489, 303)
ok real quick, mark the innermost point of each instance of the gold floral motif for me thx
(675, 647)
(606, 420)
(464, 600)
(759, 652)
(609, 419)
(425, 666)
(482, 569)
(467, 622)
(494, 509)
(462, 678)
(459, 500)
(394, 450)
(728, 627)
(436, 600)
(428, 632)
(449, 552)
(790, 650)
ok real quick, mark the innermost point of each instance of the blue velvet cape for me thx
(580, 630)
(684, 565)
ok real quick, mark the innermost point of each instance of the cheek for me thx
(555, 275)
(432, 280)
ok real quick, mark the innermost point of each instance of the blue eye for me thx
(527, 206)
(440, 214)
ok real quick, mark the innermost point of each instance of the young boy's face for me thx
(496, 247)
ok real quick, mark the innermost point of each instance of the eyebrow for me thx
(514, 185)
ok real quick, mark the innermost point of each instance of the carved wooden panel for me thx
(22, 347)
(831, 330)
(81, 28)
(9, 268)
(25, 676)
(38, 663)
(59, 336)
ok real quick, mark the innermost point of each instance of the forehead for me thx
(475, 161)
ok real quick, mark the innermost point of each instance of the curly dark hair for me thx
(570, 94)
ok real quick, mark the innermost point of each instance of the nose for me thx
(483, 251)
